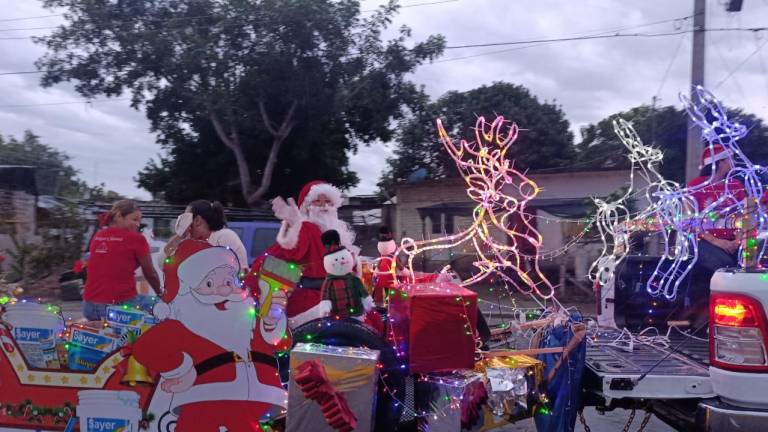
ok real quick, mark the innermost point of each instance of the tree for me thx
(664, 128)
(176, 176)
(254, 70)
(544, 140)
(53, 173)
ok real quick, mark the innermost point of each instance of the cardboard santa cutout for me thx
(210, 350)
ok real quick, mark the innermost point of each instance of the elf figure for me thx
(385, 276)
(343, 294)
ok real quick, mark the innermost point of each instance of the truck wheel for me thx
(350, 332)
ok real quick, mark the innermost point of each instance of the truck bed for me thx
(613, 372)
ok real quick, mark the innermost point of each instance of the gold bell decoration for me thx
(18, 291)
(136, 373)
(133, 371)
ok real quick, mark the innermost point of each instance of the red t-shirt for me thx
(714, 222)
(115, 254)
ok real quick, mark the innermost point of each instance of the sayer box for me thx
(88, 347)
(434, 325)
(38, 345)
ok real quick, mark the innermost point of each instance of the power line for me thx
(88, 102)
(405, 6)
(615, 35)
(669, 66)
(727, 77)
(588, 32)
(30, 18)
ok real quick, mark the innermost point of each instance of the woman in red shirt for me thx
(116, 252)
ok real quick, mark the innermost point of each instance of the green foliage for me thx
(543, 142)
(61, 232)
(53, 174)
(666, 129)
(285, 87)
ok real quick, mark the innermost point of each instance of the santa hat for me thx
(385, 234)
(331, 241)
(713, 154)
(312, 190)
(187, 267)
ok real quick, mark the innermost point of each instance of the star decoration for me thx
(65, 380)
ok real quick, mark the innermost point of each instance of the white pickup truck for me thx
(713, 379)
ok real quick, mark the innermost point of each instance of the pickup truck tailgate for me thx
(613, 372)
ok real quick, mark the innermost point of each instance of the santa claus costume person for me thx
(210, 350)
(299, 241)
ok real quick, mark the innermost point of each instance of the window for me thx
(262, 239)
(441, 223)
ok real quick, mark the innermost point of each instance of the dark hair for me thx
(211, 212)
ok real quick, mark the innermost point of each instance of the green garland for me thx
(36, 414)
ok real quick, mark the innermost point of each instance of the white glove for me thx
(183, 222)
(286, 211)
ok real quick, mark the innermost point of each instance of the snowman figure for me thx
(343, 294)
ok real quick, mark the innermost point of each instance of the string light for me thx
(501, 193)
(677, 209)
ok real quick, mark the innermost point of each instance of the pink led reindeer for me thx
(500, 192)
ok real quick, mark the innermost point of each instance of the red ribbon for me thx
(125, 351)
(314, 383)
(474, 397)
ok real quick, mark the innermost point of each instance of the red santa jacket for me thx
(301, 245)
(172, 350)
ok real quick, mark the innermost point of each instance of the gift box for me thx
(451, 401)
(433, 326)
(331, 388)
(512, 383)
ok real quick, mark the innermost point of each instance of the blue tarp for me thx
(564, 391)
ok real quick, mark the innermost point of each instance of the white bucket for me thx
(108, 411)
(36, 329)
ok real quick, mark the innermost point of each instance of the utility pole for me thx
(693, 148)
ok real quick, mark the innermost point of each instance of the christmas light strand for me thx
(501, 192)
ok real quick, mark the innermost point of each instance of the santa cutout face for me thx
(339, 262)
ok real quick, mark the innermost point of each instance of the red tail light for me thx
(738, 333)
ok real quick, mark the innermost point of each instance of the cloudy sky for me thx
(109, 142)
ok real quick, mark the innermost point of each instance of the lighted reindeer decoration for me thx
(718, 130)
(678, 211)
(500, 192)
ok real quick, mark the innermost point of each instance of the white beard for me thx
(231, 329)
(327, 219)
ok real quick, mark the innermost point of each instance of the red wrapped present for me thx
(433, 326)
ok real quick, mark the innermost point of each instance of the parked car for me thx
(256, 236)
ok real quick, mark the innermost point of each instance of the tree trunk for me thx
(279, 137)
(232, 141)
